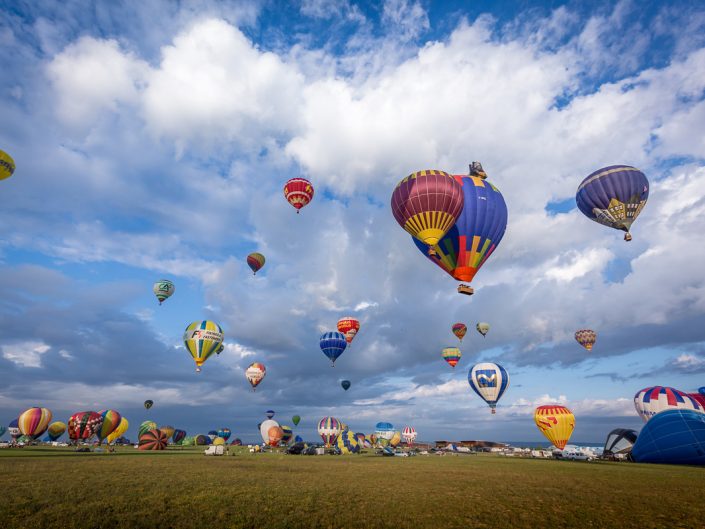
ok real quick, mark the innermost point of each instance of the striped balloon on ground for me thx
(111, 420)
(347, 442)
(329, 429)
(650, 401)
(408, 435)
(556, 422)
(145, 427)
(614, 196)
(84, 425)
(34, 421)
(153, 440)
(178, 436)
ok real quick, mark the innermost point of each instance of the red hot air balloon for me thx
(349, 327)
(298, 192)
(84, 425)
(427, 204)
(153, 440)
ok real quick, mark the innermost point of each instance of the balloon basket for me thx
(466, 289)
(494, 411)
(627, 236)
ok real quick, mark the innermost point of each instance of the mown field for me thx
(44, 488)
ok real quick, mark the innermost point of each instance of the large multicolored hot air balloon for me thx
(153, 440)
(121, 429)
(202, 339)
(56, 430)
(460, 330)
(483, 328)
(586, 338)
(298, 192)
(271, 432)
(451, 355)
(178, 436)
(699, 396)
(255, 261)
(167, 430)
(333, 344)
(329, 429)
(656, 399)
(145, 427)
(34, 422)
(489, 381)
(163, 289)
(614, 196)
(148, 404)
(296, 420)
(224, 433)
(84, 425)
(7, 165)
(347, 442)
(384, 430)
(111, 420)
(426, 204)
(408, 435)
(345, 384)
(476, 233)
(674, 436)
(255, 373)
(349, 327)
(556, 422)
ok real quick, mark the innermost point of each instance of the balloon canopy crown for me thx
(477, 170)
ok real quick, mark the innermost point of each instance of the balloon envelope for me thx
(153, 440)
(55, 430)
(384, 430)
(7, 165)
(653, 400)
(202, 339)
(408, 435)
(111, 420)
(345, 384)
(333, 344)
(163, 289)
(329, 428)
(270, 414)
(298, 192)
(619, 441)
(167, 430)
(349, 326)
(84, 425)
(451, 355)
(145, 427)
(34, 421)
(224, 433)
(255, 261)
(556, 423)
(255, 373)
(483, 328)
(489, 381)
(675, 436)
(586, 338)
(460, 330)
(121, 429)
(178, 436)
(296, 420)
(347, 442)
(148, 404)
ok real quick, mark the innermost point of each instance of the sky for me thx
(153, 140)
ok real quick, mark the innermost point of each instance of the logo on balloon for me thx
(487, 378)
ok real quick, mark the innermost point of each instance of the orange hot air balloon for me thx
(298, 192)
(349, 327)
(556, 422)
(460, 330)
(34, 422)
(275, 434)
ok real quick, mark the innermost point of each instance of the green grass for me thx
(184, 489)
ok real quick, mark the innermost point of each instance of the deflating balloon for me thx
(178, 436)
(121, 429)
(460, 330)
(202, 339)
(163, 289)
(556, 423)
(7, 165)
(395, 440)
(349, 327)
(329, 429)
(489, 381)
(674, 436)
(619, 441)
(202, 440)
(255, 261)
(298, 192)
(426, 204)
(614, 196)
(153, 440)
(333, 344)
(483, 328)
(55, 430)
(347, 443)
(345, 384)
(451, 355)
(650, 401)
(148, 404)
(586, 338)
(34, 422)
(255, 373)
(296, 420)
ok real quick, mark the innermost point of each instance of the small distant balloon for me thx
(296, 420)
(586, 338)
(255, 373)
(483, 328)
(460, 330)
(163, 289)
(345, 384)
(349, 326)
(298, 192)
(255, 261)
(451, 355)
(148, 404)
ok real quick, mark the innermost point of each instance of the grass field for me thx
(43, 487)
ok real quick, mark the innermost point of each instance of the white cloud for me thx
(25, 354)
(689, 362)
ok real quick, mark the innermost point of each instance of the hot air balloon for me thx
(298, 192)
(111, 420)
(349, 327)
(675, 436)
(586, 338)
(395, 440)
(34, 422)
(153, 440)
(255, 261)
(614, 196)
(121, 429)
(218, 441)
(426, 204)
(333, 344)
(489, 381)
(224, 433)
(178, 436)
(236, 442)
(296, 420)
(619, 441)
(84, 425)
(288, 434)
(255, 373)
(329, 429)
(699, 396)
(167, 430)
(483, 328)
(202, 339)
(347, 442)
(271, 432)
(212, 435)
(270, 414)
(145, 427)
(650, 401)
(408, 435)
(345, 384)
(148, 404)
(13, 430)
(163, 289)
(477, 232)
(451, 355)
(384, 430)
(56, 430)
(460, 330)
(7, 165)
(202, 440)
(556, 422)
